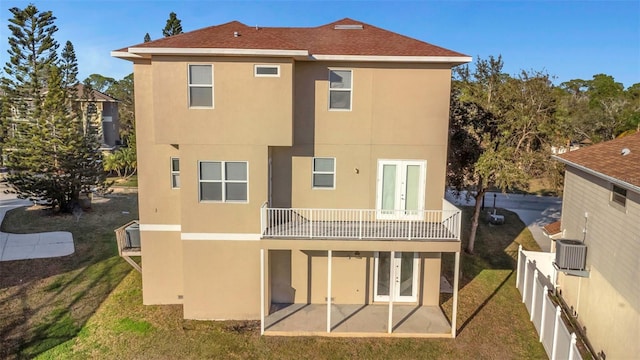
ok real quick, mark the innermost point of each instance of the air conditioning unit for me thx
(570, 254)
(133, 236)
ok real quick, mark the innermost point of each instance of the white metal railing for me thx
(360, 224)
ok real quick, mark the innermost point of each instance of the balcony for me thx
(361, 224)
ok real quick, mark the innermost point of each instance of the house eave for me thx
(145, 52)
(608, 178)
(453, 60)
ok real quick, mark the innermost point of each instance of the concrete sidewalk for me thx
(31, 246)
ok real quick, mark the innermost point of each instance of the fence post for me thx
(310, 223)
(518, 267)
(572, 345)
(526, 277)
(533, 294)
(556, 328)
(360, 224)
(545, 291)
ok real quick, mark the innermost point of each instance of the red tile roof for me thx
(321, 40)
(608, 158)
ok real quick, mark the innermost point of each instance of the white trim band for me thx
(216, 51)
(220, 236)
(159, 227)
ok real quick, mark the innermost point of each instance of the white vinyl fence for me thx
(558, 341)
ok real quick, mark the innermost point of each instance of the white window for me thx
(201, 86)
(223, 181)
(267, 71)
(324, 173)
(340, 89)
(175, 173)
(619, 195)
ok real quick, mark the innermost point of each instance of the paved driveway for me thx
(534, 210)
(30, 246)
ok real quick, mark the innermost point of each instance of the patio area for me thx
(357, 320)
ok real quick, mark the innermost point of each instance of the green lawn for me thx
(492, 322)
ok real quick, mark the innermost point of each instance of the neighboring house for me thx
(102, 108)
(104, 113)
(601, 209)
(282, 169)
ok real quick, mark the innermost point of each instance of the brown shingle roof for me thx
(97, 95)
(321, 40)
(553, 228)
(607, 158)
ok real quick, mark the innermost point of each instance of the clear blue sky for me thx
(568, 39)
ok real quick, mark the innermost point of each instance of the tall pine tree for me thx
(147, 37)
(173, 27)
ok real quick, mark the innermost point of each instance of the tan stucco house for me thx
(296, 176)
(601, 211)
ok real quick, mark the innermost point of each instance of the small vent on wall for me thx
(348, 27)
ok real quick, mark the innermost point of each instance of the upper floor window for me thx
(324, 173)
(175, 173)
(224, 181)
(201, 86)
(267, 71)
(619, 195)
(340, 89)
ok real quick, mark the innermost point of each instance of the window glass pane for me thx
(323, 164)
(236, 171)
(406, 274)
(200, 75)
(210, 171)
(388, 187)
(210, 191)
(340, 100)
(267, 70)
(175, 182)
(323, 180)
(201, 96)
(412, 187)
(384, 270)
(340, 79)
(175, 164)
(236, 191)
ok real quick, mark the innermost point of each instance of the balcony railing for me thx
(368, 224)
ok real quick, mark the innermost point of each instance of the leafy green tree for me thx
(173, 26)
(147, 37)
(99, 82)
(499, 128)
(123, 161)
(123, 91)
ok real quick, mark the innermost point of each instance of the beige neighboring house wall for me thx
(607, 302)
(205, 254)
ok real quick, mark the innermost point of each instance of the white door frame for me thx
(400, 198)
(395, 268)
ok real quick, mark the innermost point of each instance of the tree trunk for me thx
(476, 216)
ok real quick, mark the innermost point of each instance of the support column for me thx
(454, 308)
(392, 288)
(262, 302)
(329, 254)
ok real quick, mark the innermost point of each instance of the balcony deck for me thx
(365, 224)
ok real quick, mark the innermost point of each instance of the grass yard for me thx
(46, 302)
(492, 322)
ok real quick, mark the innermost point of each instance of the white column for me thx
(526, 279)
(533, 294)
(329, 253)
(556, 328)
(262, 304)
(544, 311)
(572, 345)
(392, 289)
(454, 308)
(518, 267)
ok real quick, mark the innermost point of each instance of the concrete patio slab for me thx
(358, 320)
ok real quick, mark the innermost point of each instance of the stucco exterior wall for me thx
(608, 301)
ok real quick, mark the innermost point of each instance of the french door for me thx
(400, 193)
(396, 279)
